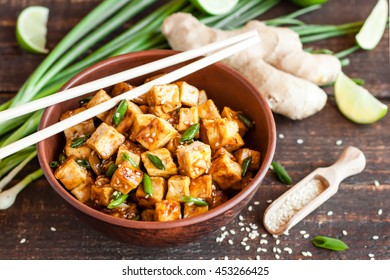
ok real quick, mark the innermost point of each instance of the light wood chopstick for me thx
(107, 105)
(118, 77)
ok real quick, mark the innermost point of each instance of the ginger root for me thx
(290, 89)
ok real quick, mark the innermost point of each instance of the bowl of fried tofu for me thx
(168, 167)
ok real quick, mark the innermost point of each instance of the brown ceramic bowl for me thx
(227, 88)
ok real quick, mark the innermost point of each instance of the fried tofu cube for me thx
(187, 117)
(99, 97)
(194, 159)
(164, 99)
(242, 154)
(168, 210)
(148, 215)
(105, 141)
(221, 133)
(201, 187)
(126, 178)
(225, 172)
(232, 115)
(159, 187)
(128, 119)
(202, 97)
(82, 193)
(189, 95)
(126, 149)
(173, 144)
(208, 110)
(166, 157)
(71, 174)
(83, 128)
(218, 197)
(120, 88)
(101, 192)
(178, 186)
(82, 152)
(140, 121)
(192, 210)
(220, 152)
(156, 134)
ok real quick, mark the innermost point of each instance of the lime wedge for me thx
(356, 103)
(373, 28)
(31, 29)
(215, 7)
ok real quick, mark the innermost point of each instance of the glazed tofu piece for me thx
(192, 210)
(140, 121)
(168, 210)
(72, 175)
(105, 141)
(128, 119)
(82, 152)
(82, 193)
(221, 133)
(99, 97)
(126, 149)
(101, 191)
(225, 172)
(242, 154)
(173, 144)
(187, 117)
(120, 88)
(208, 110)
(202, 97)
(156, 134)
(126, 178)
(165, 156)
(194, 159)
(159, 186)
(83, 128)
(244, 182)
(163, 99)
(178, 186)
(189, 95)
(148, 215)
(201, 187)
(220, 152)
(232, 115)
(218, 197)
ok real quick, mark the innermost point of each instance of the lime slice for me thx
(306, 3)
(356, 103)
(373, 28)
(215, 7)
(31, 29)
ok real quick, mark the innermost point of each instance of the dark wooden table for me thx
(40, 226)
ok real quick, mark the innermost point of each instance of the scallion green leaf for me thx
(247, 121)
(117, 201)
(281, 173)
(197, 201)
(245, 166)
(148, 186)
(190, 133)
(157, 162)
(77, 142)
(120, 112)
(329, 243)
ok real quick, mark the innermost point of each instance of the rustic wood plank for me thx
(355, 206)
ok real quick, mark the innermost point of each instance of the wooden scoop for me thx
(303, 198)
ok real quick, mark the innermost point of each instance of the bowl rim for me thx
(152, 225)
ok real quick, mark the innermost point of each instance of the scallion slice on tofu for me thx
(117, 201)
(190, 133)
(77, 142)
(156, 161)
(195, 200)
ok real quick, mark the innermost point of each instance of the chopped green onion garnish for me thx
(148, 186)
(84, 163)
(120, 112)
(247, 121)
(77, 142)
(110, 170)
(54, 164)
(129, 159)
(195, 200)
(156, 161)
(190, 133)
(245, 166)
(329, 243)
(85, 100)
(62, 157)
(117, 201)
(281, 173)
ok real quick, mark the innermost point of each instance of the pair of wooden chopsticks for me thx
(226, 48)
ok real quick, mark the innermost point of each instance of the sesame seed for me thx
(232, 232)
(269, 200)
(277, 256)
(264, 250)
(256, 203)
(247, 229)
(376, 183)
(304, 254)
(274, 249)
(375, 237)
(242, 229)
(23, 240)
(243, 243)
(299, 141)
(371, 255)
(245, 239)
(241, 224)
(345, 233)
(339, 142)
(309, 254)
(53, 229)
(147, 134)
(241, 218)
(264, 235)
(306, 235)
(330, 213)
(277, 242)
(230, 242)
(226, 258)
(257, 257)
(278, 250)
(250, 208)
(275, 236)
(302, 232)
(154, 134)
(281, 136)
(258, 250)
(263, 241)
(223, 228)
(247, 248)
(150, 140)
(380, 212)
